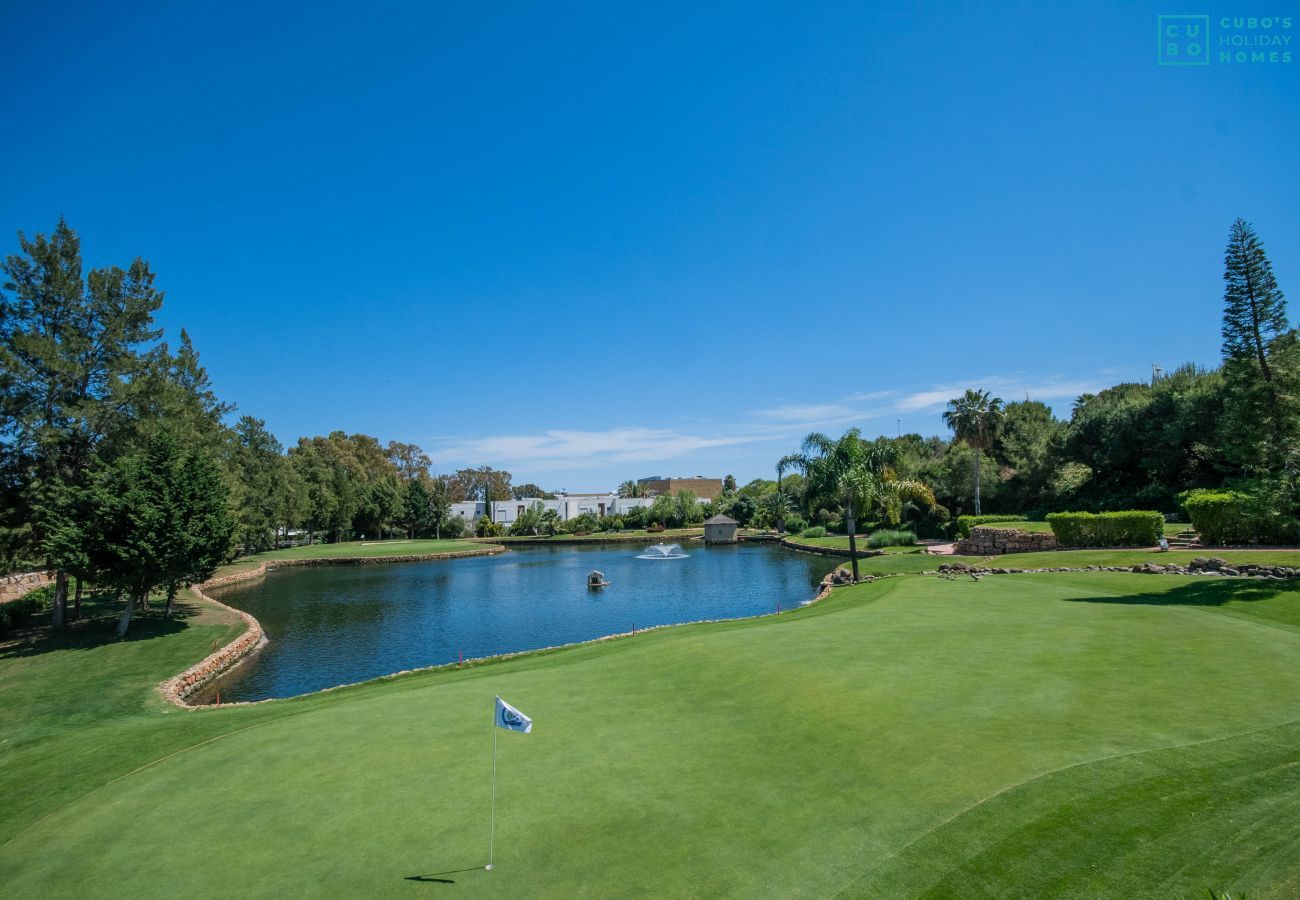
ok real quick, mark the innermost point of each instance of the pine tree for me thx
(417, 511)
(1261, 362)
(199, 519)
(1254, 313)
(69, 351)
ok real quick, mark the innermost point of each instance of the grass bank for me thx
(1042, 735)
(352, 550)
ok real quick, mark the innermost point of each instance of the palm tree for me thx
(629, 489)
(782, 464)
(857, 477)
(777, 505)
(974, 418)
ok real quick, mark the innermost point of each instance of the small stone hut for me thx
(720, 530)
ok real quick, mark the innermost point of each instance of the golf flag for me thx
(511, 719)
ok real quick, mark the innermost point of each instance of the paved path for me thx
(939, 548)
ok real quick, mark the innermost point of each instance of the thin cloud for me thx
(813, 413)
(1015, 389)
(558, 448)
(574, 449)
(806, 413)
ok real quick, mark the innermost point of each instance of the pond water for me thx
(331, 625)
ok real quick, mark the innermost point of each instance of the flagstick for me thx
(492, 830)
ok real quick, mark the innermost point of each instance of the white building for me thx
(566, 506)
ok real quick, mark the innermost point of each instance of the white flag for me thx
(511, 719)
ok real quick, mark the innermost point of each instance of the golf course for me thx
(1037, 735)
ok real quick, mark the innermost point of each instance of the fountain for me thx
(664, 551)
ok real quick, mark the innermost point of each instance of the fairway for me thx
(1033, 735)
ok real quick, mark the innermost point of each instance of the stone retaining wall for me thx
(180, 687)
(1198, 566)
(176, 690)
(14, 587)
(986, 540)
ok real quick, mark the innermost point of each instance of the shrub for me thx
(1131, 528)
(1236, 517)
(17, 613)
(795, 524)
(583, 523)
(453, 527)
(935, 522)
(966, 523)
(890, 537)
(485, 527)
(815, 532)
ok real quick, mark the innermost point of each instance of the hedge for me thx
(1235, 517)
(17, 613)
(966, 523)
(1131, 528)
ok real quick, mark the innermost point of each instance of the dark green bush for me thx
(795, 524)
(1131, 528)
(583, 523)
(17, 613)
(890, 537)
(966, 523)
(1236, 517)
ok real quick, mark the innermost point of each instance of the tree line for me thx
(119, 467)
(1140, 445)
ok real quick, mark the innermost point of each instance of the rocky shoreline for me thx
(177, 689)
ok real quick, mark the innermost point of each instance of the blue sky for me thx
(586, 243)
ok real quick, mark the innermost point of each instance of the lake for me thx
(332, 625)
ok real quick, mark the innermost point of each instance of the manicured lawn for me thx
(1023, 736)
(353, 549)
(920, 562)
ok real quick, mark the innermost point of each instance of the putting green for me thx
(1033, 735)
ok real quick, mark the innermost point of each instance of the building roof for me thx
(720, 519)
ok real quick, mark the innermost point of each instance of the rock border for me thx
(1201, 565)
(179, 688)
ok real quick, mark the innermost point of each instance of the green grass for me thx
(1028, 736)
(907, 563)
(353, 550)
